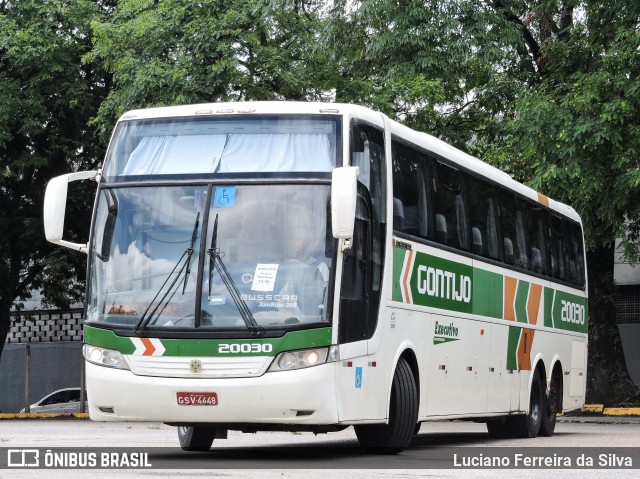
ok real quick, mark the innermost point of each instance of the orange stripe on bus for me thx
(533, 303)
(524, 349)
(150, 348)
(510, 287)
(405, 279)
(543, 199)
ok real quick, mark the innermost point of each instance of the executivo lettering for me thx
(444, 333)
(445, 330)
(444, 284)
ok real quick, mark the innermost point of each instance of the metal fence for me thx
(628, 317)
(41, 368)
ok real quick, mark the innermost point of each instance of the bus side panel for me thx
(503, 388)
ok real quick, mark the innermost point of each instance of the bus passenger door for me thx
(356, 322)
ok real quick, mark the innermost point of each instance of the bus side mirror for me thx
(344, 188)
(55, 205)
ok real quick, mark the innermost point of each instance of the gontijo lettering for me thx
(443, 284)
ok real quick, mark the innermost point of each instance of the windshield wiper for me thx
(188, 253)
(215, 262)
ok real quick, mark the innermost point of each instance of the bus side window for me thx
(537, 238)
(452, 224)
(556, 244)
(513, 221)
(411, 192)
(483, 213)
(578, 254)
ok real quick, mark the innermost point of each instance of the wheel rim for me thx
(535, 404)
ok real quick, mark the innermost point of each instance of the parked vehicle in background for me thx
(63, 400)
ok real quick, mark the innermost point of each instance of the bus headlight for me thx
(104, 357)
(304, 358)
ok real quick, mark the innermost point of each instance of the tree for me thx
(577, 130)
(546, 90)
(168, 52)
(47, 97)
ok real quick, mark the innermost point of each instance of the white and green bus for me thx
(308, 267)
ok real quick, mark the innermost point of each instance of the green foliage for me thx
(169, 52)
(46, 98)
(577, 128)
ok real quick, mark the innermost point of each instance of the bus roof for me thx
(424, 140)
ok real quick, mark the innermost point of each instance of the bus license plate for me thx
(197, 399)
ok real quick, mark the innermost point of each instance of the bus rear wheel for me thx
(395, 436)
(196, 438)
(551, 406)
(528, 425)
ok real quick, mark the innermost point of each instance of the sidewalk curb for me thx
(610, 411)
(44, 415)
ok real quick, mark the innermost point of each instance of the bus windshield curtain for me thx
(232, 153)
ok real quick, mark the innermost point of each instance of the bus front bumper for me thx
(304, 396)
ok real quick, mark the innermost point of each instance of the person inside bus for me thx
(306, 274)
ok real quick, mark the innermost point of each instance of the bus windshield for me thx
(219, 145)
(264, 261)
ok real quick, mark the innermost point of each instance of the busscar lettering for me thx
(292, 298)
(438, 283)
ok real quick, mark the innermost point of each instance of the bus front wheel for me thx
(395, 436)
(196, 438)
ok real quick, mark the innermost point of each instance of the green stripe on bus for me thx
(398, 260)
(548, 303)
(512, 348)
(452, 286)
(308, 338)
(488, 293)
(521, 301)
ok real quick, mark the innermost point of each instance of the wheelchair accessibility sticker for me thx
(358, 378)
(224, 197)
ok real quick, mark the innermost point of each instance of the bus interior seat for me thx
(477, 240)
(398, 214)
(441, 229)
(509, 257)
(536, 260)
(462, 224)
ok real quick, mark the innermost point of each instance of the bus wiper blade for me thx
(194, 235)
(146, 317)
(212, 257)
(215, 262)
(243, 309)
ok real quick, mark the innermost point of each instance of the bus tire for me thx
(528, 425)
(395, 436)
(196, 438)
(551, 407)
